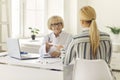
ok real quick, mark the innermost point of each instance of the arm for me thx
(45, 46)
(48, 46)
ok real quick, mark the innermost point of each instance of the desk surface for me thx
(47, 63)
(10, 72)
(14, 69)
(115, 61)
(35, 63)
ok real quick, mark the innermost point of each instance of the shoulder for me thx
(82, 35)
(104, 34)
(81, 38)
(66, 34)
(49, 35)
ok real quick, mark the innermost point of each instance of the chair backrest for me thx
(91, 70)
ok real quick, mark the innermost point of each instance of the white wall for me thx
(55, 7)
(70, 16)
(108, 14)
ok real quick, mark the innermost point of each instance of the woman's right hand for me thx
(48, 46)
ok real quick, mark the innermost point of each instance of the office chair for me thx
(91, 70)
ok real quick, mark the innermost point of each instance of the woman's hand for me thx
(59, 47)
(55, 54)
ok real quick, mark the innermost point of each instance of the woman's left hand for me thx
(55, 54)
(59, 47)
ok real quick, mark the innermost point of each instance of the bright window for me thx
(33, 13)
(15, 11)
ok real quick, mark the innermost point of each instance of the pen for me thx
(56, 69)
(47, 57)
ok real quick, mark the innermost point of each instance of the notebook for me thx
(13, 49)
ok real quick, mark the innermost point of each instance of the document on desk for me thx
(51, 63)
(49, 60)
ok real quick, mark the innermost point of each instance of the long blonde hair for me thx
(87, 13)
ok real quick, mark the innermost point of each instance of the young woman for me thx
(91, 43)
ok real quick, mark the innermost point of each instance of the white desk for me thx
(13, 69)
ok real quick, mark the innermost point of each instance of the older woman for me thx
(56, 40)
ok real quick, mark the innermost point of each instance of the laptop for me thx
(13, 48)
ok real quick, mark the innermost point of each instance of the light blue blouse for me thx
(63, 39)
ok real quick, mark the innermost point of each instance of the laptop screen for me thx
(13, 48)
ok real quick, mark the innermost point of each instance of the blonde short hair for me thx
(53, 20)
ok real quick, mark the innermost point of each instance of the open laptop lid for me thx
(13, 48)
